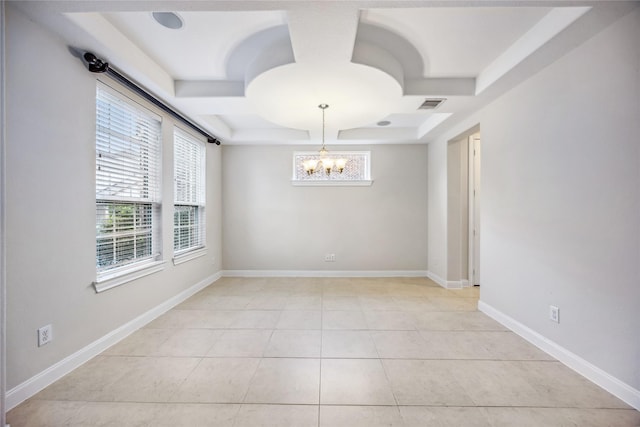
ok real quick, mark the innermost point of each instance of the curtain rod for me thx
(96, 65)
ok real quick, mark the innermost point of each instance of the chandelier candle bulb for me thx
(310, 166)
(328, 165)
(340, 164)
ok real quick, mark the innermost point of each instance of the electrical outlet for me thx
(45, 335)
(554, 313)
(330, 258)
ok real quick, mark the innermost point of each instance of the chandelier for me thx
(325, 162)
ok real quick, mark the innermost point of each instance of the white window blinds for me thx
(127, 150)
(189, 192)
(127, 182)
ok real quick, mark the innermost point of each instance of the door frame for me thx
(474, 147)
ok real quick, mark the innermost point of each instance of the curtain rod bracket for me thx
(97, 65)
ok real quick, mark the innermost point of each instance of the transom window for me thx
(357, 170)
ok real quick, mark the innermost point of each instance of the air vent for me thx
(430, 104)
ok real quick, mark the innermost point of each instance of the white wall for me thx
(50, 205)
(561, 201)
(269, 224)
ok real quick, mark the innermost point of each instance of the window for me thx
(189, 192)
(127, 185)
(357, 170)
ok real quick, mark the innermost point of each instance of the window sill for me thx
(189, 255)
(332, 183)
(112, 280)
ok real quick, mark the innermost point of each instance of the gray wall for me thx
(269, 224)
(561, 200)
(50, 209)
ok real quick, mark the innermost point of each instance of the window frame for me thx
(197, 198)
(144, 183)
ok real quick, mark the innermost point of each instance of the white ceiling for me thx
(254, 72)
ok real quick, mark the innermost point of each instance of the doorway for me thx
(474, 209)
(463, 210)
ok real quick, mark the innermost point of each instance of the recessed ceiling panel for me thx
(200, 49)
(457, 42)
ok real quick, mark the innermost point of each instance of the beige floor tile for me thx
(241, 343)
(452, 303)
(43, 413)
(174, 319)
(375, 303)
(340, 303)
(148, 379)
(200, 301)
(348, 345)
(143, 342)
(425, 382)
(304, 303)
(103, 414)
(456, 321)
(286, 381)
(188, 343)
(351, 320)
(256, 319)
(433, 291)
(193, 319)
(420, 304)
(294, 343)
(360, 416)
(560, 386)
(400, 344)
(213, 319)
(433, 416)
(252, 415)
(208, 301)
(217, 380)
(509, 346)
(457, 345)
(497, 383)
(300, 319)
(267, 303)
(355, 382)
(603, 417)
(195, 415)
(562, 417)
(111, 378)
(390, 320)
(528, 417)
(341, 287)
(469, 292)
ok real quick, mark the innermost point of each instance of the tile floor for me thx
(324, 352)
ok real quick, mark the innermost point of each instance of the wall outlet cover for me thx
(45, 335)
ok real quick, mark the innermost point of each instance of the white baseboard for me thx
(439, 280)
(621, 390)
(323, 273)
(33, 385)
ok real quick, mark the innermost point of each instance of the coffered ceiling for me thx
(254, 72)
